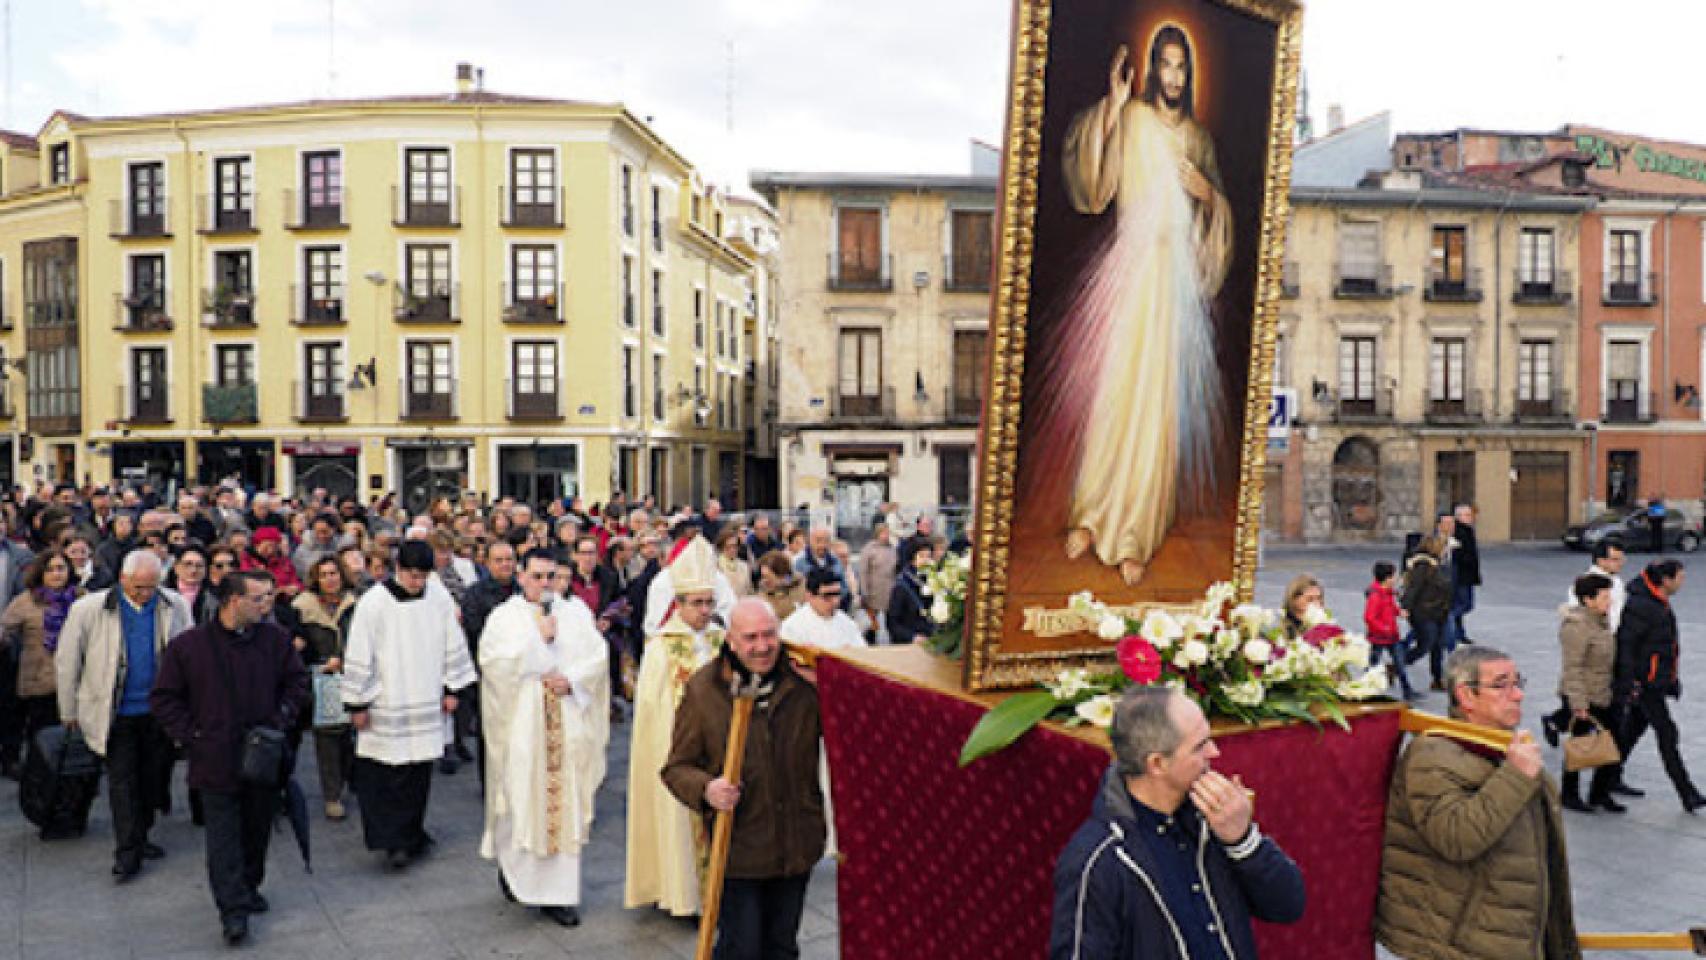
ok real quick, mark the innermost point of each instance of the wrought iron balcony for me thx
(1362, 283)
(1444, 286)
(1533, 288)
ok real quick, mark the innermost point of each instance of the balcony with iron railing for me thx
(530, 207)
(426, 398)
(326, 209)
(225, 214)
(420, 208)
(1531, 287)
(1447, 286)
(1289, 280)
(1639, 408)
(137, 406)
(223, 403)
(865, 406)
(1363, 283)
(533, 405)
(1373, 406)
(542, 305)
(441, 303)
(228, 308)
(1558, 408)
(319, 401)
(128, 222)
(962, 275)
(140, 313)
(965, 406)
(851, 275)
(1454, 411)
(317, 305)
(1629, 289)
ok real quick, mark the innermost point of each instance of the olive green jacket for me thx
(1474, 865)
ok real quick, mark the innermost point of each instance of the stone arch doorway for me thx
(1356, 486)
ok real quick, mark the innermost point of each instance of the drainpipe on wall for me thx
(1498, 305)
(192, 444)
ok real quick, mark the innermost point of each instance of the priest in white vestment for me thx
(666, 841)
(404, 661)
(820, 622)
(661, 592)
(545, 688)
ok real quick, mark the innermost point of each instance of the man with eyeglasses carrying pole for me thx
(1474, 865)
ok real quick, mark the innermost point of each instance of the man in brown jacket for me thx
(1474, 865)
(779, 830)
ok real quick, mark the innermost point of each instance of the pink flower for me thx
(1139, 660)
(1321, 633)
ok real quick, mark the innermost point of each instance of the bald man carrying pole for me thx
(779, 827)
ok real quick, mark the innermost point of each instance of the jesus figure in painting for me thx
(1138, 378)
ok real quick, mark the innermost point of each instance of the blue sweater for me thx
(137, 628)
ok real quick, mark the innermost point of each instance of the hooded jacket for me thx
(1107, 900)
(1647, 644)
(1427, 589)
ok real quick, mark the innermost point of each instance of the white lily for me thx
(1098, 710)
(1111, 627)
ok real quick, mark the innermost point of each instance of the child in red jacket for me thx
(1380, 614)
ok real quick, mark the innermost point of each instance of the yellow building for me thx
(886, 286)
(1428, 338)
(415, 294)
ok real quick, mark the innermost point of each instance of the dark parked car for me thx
(1635, 532)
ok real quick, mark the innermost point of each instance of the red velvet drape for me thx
(947, 863)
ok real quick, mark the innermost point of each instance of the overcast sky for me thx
(900, 85)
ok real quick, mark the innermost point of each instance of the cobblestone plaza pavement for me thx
(1640, 871)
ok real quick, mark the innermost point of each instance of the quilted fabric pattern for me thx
(947, 863)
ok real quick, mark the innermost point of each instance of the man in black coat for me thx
(216, 682)
(1646, 674)
(1466, 569)
(1170, 865)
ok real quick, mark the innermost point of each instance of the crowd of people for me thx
(225, 630)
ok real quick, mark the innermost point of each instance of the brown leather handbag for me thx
(1595, 748)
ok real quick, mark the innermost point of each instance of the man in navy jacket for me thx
(1169, 866)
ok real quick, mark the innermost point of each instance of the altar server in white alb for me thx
(545, 697)
(820, 622)
(404, 662)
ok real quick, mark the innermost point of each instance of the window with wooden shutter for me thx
(972, 237)
(859, 242)
(1359, 251)
(861, 380)
(1623, 377)
(971, 356)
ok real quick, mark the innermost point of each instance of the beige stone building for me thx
(885, 284)
(1428, 340)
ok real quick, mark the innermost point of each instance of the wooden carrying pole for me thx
(724, 830)
(1418, 722)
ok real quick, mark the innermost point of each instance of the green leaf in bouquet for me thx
(1006, 722)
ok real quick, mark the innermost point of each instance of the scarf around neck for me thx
(55, 604)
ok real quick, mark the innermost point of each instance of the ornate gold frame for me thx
(987, 666)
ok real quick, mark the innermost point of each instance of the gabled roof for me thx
(12, 138)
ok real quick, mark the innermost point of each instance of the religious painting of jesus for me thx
(1148, 157)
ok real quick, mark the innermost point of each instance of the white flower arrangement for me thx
(1098, 710)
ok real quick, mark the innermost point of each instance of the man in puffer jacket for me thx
(1169, 866)
(1648, 652)
(1474, 865)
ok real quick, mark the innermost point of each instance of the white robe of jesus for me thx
(400, 658)
(544, 753)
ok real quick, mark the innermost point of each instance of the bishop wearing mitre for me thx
(545, 706)
(665, 840)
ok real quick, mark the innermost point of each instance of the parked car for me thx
(1635, 532)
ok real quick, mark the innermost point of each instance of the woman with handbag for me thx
(1584, 682)
(31, 623)
(325, 609)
